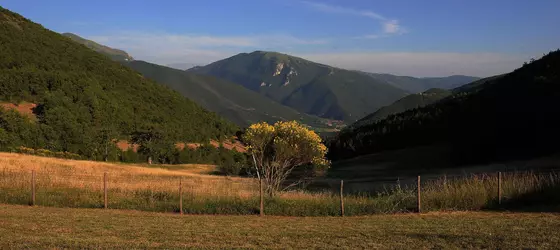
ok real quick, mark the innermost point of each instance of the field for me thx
(79, 184)
(42, 227)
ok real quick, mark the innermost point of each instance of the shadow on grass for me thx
(447, 240)
(543, 199)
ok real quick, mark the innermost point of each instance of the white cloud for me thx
(421, 64)
(393, 27)
(389, 26)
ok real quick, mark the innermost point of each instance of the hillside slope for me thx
(115, 54)
(84, 99)
(417, 85)
(419, 100)
(306, 86)
(406, 103)
(507, 117)
(230, 100)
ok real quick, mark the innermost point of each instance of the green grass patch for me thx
(45, 227)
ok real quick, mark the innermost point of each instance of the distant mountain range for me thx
(306, 86)
(417, 85)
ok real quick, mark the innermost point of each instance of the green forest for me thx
(85, 100)
(508, 117)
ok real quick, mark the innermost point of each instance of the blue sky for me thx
(419, 38)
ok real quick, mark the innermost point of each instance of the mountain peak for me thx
(306, 86)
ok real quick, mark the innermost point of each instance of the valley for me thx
(149, 115)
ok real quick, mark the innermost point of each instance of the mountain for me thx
(83, 100)
(306, 86)
(419, 100)
(234, 102)
(505, 117)
(230, 100)
(417, 85)
(182, 66)
(406, 103)
(115, 54)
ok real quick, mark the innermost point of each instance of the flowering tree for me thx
(280, 148)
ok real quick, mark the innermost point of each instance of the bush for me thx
(231, 168)
(47, 153)
(130, 156)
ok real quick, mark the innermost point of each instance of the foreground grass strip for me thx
(43, 227)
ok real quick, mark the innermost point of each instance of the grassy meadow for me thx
(61, 228)
(79, 184)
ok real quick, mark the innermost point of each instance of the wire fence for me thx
(223, 195)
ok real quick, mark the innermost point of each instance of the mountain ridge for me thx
(115, 54)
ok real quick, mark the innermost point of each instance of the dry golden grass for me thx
(55, 172)
(72, 183)
(196, 178)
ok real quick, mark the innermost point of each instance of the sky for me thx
(412, 37)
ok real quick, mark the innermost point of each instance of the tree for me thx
(277, 150)
(154, 144)
(4, 138)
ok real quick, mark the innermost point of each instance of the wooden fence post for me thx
(181, 196)
(262, 197)
(500, 188)
(419, 203)
(105, 188)
(341, 198)
(33, 188)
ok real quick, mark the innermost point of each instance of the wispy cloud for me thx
(166, 48)
(393, 27)
(342, 10)
(390, 26)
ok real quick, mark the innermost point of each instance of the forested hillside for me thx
(306, 86)
(505, 117)
(84, 99)
(406, 103)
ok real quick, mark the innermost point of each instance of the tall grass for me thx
(70, 183)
